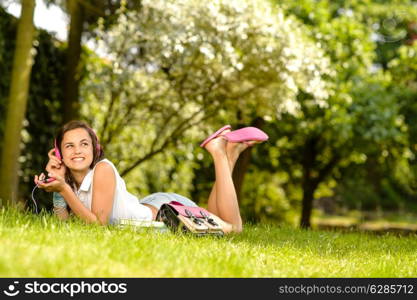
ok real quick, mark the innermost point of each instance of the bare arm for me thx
(104, 184)
(55, 165)
(77, 206)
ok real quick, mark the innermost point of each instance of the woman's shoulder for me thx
(104, 165)
(104, 170)
(104, 161)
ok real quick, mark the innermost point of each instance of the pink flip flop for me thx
(246, 134)
(214, 135)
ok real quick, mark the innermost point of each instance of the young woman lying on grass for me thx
(92, 187)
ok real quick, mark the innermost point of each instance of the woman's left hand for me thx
(58, 185)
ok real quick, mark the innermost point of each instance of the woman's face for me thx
(77, 149)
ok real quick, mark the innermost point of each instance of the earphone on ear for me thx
(57, 153)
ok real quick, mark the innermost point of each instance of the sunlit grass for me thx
(41, 246)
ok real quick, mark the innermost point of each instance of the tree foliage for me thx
(177, 67)
(333, 82)
(363, 121)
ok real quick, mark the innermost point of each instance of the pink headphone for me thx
(59, 156)
(57, 153)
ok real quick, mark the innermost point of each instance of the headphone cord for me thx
(33, 199)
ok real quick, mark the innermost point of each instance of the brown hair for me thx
(98, 153)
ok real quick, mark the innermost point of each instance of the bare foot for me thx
(233, 150)
(217, 146)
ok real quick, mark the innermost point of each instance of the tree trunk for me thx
(308, 195)
(71, 105)
(310, 182)
(374, 177)
(16, 107)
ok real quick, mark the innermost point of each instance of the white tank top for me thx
(125, 205)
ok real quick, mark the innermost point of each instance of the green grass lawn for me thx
(41, 246)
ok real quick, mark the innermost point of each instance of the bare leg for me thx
(233, 151)
(212, 203)
(223, 194)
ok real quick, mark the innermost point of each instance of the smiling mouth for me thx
(80, 159)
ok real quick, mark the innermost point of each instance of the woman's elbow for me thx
(103, 222)
(102, 219)
(95, 219)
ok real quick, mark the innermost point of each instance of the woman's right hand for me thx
(57, 185)
(55, 165)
